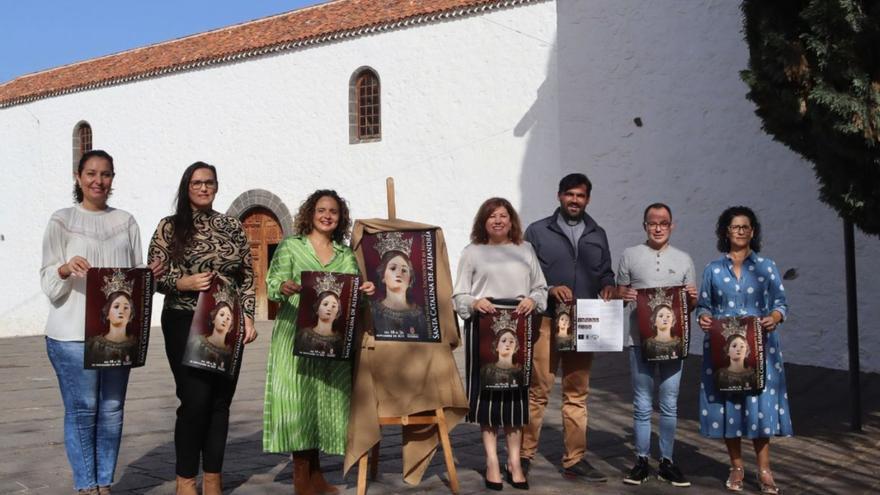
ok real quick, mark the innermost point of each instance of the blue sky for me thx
(41, 34)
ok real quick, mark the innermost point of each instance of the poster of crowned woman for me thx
(737, 347)
(404, 307)
(664, 323)
(118, 304)
(216, 336)
(505, 348)
(325, 324)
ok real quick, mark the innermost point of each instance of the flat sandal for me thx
(735, 485)
(768, 488)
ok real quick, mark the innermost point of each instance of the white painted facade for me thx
(500, 103)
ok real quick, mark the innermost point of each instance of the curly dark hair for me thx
(478, 231)
(727, 217)
(302, 224)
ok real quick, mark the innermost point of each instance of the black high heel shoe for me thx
(519, 485)
(492, 485)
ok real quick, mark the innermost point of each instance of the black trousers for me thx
(203, 415)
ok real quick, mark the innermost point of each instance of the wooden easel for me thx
(370, 460)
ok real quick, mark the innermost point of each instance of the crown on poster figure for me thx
(224, 296)
(503, 321)
(393, 241)
(329, 283)
(733, 327)
(659, 298)
(563, 308)
(117, 283)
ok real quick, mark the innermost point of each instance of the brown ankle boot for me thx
(301, 483)
(212, 484)
(186, 486)
(318, 482)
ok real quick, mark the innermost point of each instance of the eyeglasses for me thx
(745, 229)
(195, 185)
(654, 225)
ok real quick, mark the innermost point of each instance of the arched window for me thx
(82, 141)
(365, 112)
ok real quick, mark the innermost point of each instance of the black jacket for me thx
(586, 271)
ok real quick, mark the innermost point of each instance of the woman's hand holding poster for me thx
(404, 307)
(737, 347)
(216, 336)
(117, 327)
(664, 322)
(327, 314)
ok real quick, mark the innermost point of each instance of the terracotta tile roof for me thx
(311, 25)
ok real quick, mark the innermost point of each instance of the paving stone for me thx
(825, 457)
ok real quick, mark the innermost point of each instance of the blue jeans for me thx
(93, 402)
(643, 391)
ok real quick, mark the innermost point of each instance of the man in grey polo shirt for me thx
(653, 264)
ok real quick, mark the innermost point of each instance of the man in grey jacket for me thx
(573, 251)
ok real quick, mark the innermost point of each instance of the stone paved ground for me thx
(825, 457)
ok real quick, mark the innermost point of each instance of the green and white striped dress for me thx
(307, 400)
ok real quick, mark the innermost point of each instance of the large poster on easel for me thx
(403, 267)
(394, 379)
(117, 326)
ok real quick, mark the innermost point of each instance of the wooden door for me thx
(264, 233)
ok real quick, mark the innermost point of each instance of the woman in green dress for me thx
(307, 399)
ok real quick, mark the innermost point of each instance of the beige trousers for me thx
(575, 388)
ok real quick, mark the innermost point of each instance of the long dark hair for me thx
(724, 220)
(77, 191)
(302, 224)
(478, 231)
(183, 217)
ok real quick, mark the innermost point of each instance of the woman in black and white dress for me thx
(497, 264)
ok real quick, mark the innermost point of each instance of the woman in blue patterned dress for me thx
(744, 283)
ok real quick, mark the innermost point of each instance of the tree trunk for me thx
(852, 327)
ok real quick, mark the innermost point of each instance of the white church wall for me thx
(676, 66)
(453, 95)
(502, 103)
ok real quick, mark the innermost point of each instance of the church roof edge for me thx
(317, 24)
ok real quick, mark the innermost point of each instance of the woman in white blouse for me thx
(91, 233)
(497, 264)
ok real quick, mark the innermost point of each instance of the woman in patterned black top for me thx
(195, 245)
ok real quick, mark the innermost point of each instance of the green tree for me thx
(814, 74)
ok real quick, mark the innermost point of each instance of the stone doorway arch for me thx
(266, 221)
